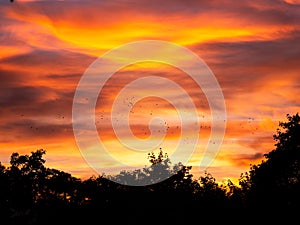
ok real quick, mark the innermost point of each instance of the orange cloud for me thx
(251, 47)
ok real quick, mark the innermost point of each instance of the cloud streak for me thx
(251, 47)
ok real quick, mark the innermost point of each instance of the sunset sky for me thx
(252, 48)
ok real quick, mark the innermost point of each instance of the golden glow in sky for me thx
(250, 46)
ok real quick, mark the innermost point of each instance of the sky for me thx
(251, 47)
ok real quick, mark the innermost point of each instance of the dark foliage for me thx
(31, 193)
(275, 182)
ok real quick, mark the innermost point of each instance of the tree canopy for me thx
(31, 193)
(275, 182)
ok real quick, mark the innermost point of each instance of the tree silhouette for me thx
(24, 184)
(211, 195)
(275, 182)
(31, 193)
(159, 170)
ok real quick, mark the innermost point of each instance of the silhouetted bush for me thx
(31, 193)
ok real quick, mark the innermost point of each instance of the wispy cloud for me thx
(251, 47)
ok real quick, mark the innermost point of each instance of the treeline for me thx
(31, 193)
